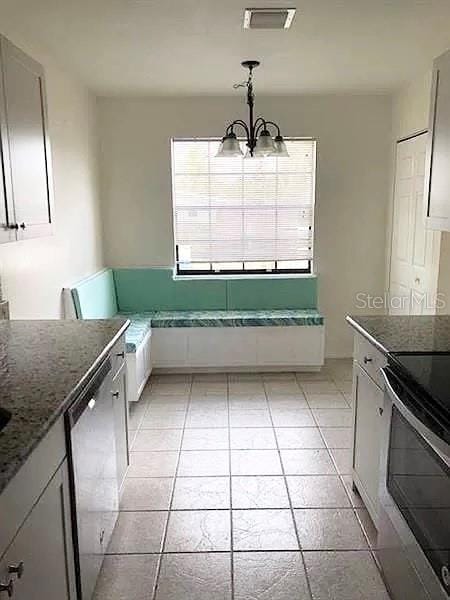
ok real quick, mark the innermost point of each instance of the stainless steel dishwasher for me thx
(93, 469)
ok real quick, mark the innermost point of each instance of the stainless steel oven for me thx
(414, 525)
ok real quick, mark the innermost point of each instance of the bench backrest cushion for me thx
(95, 297)
(272, 293)
(150, 289)
(141, 290)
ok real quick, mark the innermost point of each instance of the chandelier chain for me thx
(259, 138)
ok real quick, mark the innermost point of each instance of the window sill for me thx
(222, 276)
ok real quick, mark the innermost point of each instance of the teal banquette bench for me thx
(268, 323)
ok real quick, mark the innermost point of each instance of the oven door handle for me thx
(439, 446)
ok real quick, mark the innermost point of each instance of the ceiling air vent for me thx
(268, 18)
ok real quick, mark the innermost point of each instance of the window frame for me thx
(211, 272)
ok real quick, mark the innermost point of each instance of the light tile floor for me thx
(239, 489)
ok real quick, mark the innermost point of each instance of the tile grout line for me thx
(355, 509)
(227, 552)
(231, 491)
(166, 528)
(340, 475)
(229, 429)
(289, 494)
(252, 508)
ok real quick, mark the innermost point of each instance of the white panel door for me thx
(414, 248)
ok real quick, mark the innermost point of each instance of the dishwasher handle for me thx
(87, 398)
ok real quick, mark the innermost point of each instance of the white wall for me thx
(34, 271)
(353, 135)
(410, 107)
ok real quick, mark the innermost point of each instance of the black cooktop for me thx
(428, 377)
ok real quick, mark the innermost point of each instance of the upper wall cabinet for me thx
(25, 195)
(438, 153)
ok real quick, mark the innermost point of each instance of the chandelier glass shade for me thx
(260, 142)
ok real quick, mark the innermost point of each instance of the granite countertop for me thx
(43, 366)
(393, 333)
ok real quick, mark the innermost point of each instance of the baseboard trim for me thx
(245, 369)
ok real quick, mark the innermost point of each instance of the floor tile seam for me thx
(230, 493)
(144, 412)
(311, 407)
(166, 527)
(295, 507)
(308, 583)
(275, 426)
(340, 508)
(366, 536)
(240, 551)
(246, 475)
(325, 444)
(342, 483)
(162, 450)
(347, 491)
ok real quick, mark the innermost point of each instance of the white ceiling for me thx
(187, 47)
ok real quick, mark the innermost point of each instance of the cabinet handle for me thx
(115, 394)
(22, 226)
(12, 226)
(120, 355)
(7, 587)
(367, 360)
(381, 411)
(445, 573)
(18, 569)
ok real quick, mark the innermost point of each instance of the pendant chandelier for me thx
(260, 142)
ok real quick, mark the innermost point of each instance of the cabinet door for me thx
(8, 232)
(367, 438)
(121, 423)
(170, 349)
(28, 144)
(438, 155)
(44, 546)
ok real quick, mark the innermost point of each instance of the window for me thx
(234, 215)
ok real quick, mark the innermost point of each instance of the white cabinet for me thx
(368, 400)
(279, 346)
(438, 153)
(368, 406)
(25, 195)
(42, 548)
(220, 347)
(170, 347)
(290, 347)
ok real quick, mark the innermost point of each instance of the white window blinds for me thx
(242, 211)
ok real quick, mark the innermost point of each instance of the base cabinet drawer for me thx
(39, 562)
(370, 359)
(368, 406)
